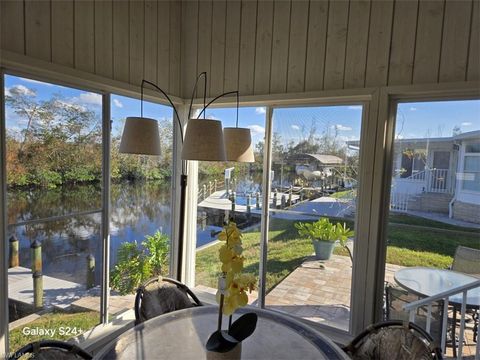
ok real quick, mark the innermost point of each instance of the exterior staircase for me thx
(430, 202)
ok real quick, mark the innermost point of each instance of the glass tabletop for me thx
(183, 334)
(428, 282)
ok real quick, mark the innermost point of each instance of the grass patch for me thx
(59, 321)
(347, 194)
(425, 243)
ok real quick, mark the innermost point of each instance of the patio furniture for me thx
(51, 349)
(467, 261)
(161, 295)
(183, 335)
(397, 297)
(427, 282)
(393, 340)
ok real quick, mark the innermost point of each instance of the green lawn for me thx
(65, 324)
(412, 241)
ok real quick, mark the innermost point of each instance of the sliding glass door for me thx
(314, 187)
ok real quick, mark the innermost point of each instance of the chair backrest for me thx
(396, 297)
(161, 295)
(466, 260)
(52, 349)
(393, 340)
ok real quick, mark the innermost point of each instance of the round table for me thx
(426, 282)
(183, 334)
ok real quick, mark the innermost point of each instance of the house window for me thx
(471, 168)
(413, 162)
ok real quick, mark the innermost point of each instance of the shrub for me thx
(138, 262)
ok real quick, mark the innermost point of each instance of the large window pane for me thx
(315, 156)
(54, 173)
(437, 209)
(140, 220)
(230, 190)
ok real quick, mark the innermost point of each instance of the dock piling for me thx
(36, 251)
(13, 254)
(90, 271)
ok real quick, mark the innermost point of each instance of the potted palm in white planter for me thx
(324, 235)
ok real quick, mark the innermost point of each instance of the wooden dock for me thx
(218, 200)
(56, 292)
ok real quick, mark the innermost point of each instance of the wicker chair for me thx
(51, 349)
(161, 295)
(393, 340)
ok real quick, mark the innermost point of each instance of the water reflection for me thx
(137, 209)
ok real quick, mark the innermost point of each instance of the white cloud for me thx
(413, 109)
(36, 82)
(256, 129)
(341, 127)
(67, 104)
(295, 127)
(90, 98)
(117, 103)
(260, 110)
(399, 137)
(466, 123)
(20, 90)
(355, 107)
(212, 117)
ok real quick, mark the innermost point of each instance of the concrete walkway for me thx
(443, 218)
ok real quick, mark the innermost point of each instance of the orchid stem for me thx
(220, 313)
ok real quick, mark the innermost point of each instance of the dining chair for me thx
(466, 260)
(51, 349)
(395, 339)
(396, 297)
(161, 295)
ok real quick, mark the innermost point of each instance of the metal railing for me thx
(444, 296)
(399, 201)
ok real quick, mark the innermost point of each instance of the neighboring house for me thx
(438, 175)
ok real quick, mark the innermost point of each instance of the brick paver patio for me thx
(319, 291)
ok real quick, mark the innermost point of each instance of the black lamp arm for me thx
(169, 100)
(218, 97)
(204, 74)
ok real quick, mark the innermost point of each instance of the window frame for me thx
(389, 98)
(76, 82)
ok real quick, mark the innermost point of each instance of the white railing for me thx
(418, 176)
(399, 201)
(444, 296)
(438, 181)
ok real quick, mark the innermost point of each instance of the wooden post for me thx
(290, 195)
(209, 188)
(13, 256)
(249, 204)
(283, 203)
(215, 185)
(275, 198)
(36, 252)
(257, 200)
(90, 271)
(233, 199)
(204, 191)
(302, 194)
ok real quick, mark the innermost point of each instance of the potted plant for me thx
(324, 235)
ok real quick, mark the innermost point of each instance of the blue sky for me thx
(420, 119)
